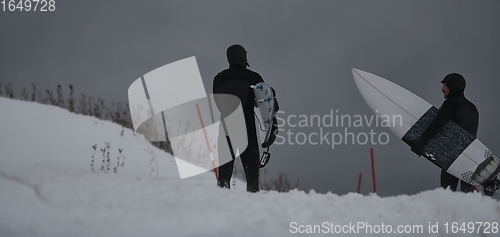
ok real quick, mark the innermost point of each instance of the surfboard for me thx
(264, 108)
(452, 149)
(265, 111)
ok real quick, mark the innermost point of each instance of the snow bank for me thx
(48, 189)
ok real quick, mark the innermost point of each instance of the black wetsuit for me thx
(459, 109)
(243, 77)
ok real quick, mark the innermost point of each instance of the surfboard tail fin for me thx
(487, 170)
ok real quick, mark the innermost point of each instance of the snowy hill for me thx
(48, 189)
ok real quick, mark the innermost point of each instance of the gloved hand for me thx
(418, 147)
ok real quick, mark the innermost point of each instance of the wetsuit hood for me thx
(456, 83)
(237, 56)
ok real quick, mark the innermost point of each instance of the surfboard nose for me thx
(355, 72)
(387, 98)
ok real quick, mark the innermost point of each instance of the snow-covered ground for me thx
(47, 188)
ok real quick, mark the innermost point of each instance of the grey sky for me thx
(305, 49)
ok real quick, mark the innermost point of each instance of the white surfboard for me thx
(264, 106)
(264, 111)
(387, 98)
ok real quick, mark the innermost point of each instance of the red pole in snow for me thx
(208, 143)
(359, 182)
(373, 171)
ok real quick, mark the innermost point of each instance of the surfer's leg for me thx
(448, 180)
(249, 159)
(225, 170)
(465, 187)
(225, 173)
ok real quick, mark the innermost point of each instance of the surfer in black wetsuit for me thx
(459, 109)
(236, 80)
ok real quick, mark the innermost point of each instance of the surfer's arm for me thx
(444, 114)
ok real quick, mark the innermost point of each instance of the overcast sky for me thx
(304, 49)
